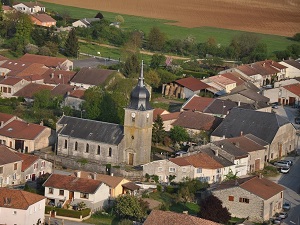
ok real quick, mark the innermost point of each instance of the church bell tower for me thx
(138, 125)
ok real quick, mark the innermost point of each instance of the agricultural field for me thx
(273, 21)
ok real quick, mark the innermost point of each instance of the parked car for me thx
(286, 206)
(280, 164)
(283, 215)
(277, 220)
(285, 170)
(290, 162)
(274, 106)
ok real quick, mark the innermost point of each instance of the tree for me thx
(158, 131)
(131, 66)
(119, 19)
(156, 39)
(231, 176)
(296, 37)
(32, 49)
(91, 105)
(157, 60)
(44, 50)
(71, 45)
(99, 15)
(42, 99)
(179, 134)
(152, 78)
(129, 207)
(24, 28)
(211, 209)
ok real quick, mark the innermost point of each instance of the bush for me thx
(159, 188)
(68, 213)
(170, 189)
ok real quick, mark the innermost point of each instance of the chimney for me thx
(223, 137)
(78, 173)
(185, 212)
(95, 176)
(42, 123)
(216, 152)
(260, 176)
(112, 174)
(241, 133)
(59, 76)
(222, 146)
(264, 64)
(236, 183)
(237, 144)
(52, 75)
(239, 103)
(2, 124)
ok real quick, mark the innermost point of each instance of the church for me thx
(107, 143)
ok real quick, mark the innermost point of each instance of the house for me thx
(107, 143)
(21, 207)
(220, 83)
(173, 218)
(74, 99)
(10, 85)
(278, 132)
(117, 185)
(42, 19)
(85, 22)
(10, 167)
(23, 136)
(168, 119)
(63, 189)
(195, 122)
(33, 167)
(29, 7)
(48, 61)
(198, 165)
(30, 90)
(61, 90)
(184, 88)
(211, 106)
(90, 77)
(292, 67)
(2, 60)
(55, 76)
(252, 197)
(160, 112)
(255, 150)
(289, 95)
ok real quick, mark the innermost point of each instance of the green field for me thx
(201, 34)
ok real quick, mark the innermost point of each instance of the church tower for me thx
(138, 125)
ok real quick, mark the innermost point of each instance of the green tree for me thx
(166, 76)
(231, 176)
(42, 99)
(157, 60)
(296, 37)
(158, 131)
(24, 28)
(131, 66)
(32, 49)
(219, 213)
(71, 45)
(119, 19)
(152, 78)
(179, 134)
(156, 39)
(91, 105)
(129, 207)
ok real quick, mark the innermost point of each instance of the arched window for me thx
(66, 143)
(109, 152)
(87, 148)
(76, 146)
(98, 150)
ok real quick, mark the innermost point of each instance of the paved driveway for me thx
(55, 221)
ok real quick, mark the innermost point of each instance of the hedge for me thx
(199, 75)
(67, 212)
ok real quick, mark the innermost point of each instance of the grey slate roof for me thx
(219, 106)
(245, 86)
(256, 139)
(294, 63)
(231, 149)
(91, 130)
(261, 124)
(254, 96)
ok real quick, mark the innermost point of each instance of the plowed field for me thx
(279, 17)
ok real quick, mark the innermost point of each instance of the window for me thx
(66, 143)
(281, 194)
(76, 146)
(84, 195)
(43, 164)
(1, 169)
(230, 198)
(218, 170)
(87, 148)
(199, 170)
(160, 169)
(14, 176)
(172, 169)
(109, 152)
(35, 166)
(50, 191)
(98, 150)
(15, 166)
(244, 200)
(61, 192)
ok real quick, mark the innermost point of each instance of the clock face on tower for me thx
(133, 115)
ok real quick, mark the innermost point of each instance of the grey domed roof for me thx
(139, 97)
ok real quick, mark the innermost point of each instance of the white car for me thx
(285, 169)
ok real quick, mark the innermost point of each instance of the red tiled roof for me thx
(29, 90)
(19, 199)
(222, 80)
(44, 18)
(22, 130)
(192, 83)
(199, 160)
(72, 183)
(234, 76)
(77, 93)
(28, 160)
(170, 116)
(195, 120)
(62, 89)
(10, 80)
(52, 76)
(8, 156)
(245, 144)
(262, 187)
(32, 78)
(158, 217)
(294, 88)
(247, 69)
(198, 103)
(46, 60)
(23, 68)
(6, 8)
(3, 58)
(5, 117)
(158, 111)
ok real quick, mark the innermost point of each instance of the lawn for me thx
(99, 219)
(201, 34)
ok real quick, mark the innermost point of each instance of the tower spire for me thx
(141, 78)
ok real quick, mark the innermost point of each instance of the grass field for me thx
(201, 34)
